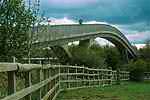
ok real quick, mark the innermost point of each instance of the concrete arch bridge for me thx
(57, 36)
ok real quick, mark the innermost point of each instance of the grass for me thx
(127, 91)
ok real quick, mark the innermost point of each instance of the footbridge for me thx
(60, 35)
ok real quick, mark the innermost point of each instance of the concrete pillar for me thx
(84, 43)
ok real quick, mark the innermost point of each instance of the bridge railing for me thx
(52, 79)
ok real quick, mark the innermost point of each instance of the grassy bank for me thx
(127, 91)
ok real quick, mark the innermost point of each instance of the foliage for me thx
(91, 57)
(113, 57)
(145, 52)
(137, 69)
(145, 55)
(96, 56)
(41, 53)
(15, 22)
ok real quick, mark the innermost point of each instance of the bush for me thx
(113, 57)
(91, 57)
(137, 70)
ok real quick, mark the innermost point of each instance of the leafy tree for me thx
(137, 69)
(145, 52)
(91, 57)
(113, 57)
(15, 22)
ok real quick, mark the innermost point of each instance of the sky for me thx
(132, 17)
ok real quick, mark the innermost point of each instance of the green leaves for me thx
(15, 22)
(91, 57)
(113, 57)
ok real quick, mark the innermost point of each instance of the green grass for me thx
(127, 91)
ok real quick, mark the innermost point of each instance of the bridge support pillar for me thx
(86, 43)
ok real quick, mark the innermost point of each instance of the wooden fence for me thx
(147, 75)
(52, 79)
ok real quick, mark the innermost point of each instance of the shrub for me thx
(137, 69)
(90, 57)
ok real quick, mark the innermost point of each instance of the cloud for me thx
(136, 36)
(65, 20)
(139, 26)
(137, 32)
(112, 11)
(139, 46)
(61, 21)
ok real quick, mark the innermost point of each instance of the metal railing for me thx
(52, 79)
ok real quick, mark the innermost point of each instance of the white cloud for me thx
(138, 36)
(56, 21)
(61, 21)
(65, 20)
(139, 46)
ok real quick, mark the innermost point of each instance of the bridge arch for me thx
(59, 35)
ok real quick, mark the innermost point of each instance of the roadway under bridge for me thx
(57, 36)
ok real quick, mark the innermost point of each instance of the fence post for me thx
(55, 80)
(103, 83)
(89, 77)
(98, 78)
(76, 76)
(40, 79)
(83, 81)
(11, 82)
(59, 72)
(28, 84)
(46, 75)
(14, 59)
(68, 76)
(118, 76)
(111, 76)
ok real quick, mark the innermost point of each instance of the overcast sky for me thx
(132, 17)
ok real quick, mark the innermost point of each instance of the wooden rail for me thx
(147, 75)
(51, 79)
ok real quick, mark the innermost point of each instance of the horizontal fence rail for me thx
(52, 79)
(147, 75)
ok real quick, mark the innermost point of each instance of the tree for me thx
(15, 22)
(91, 57)
(113, 57)
(145, 52)
(137, 69)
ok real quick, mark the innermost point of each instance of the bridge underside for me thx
(65, 56)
